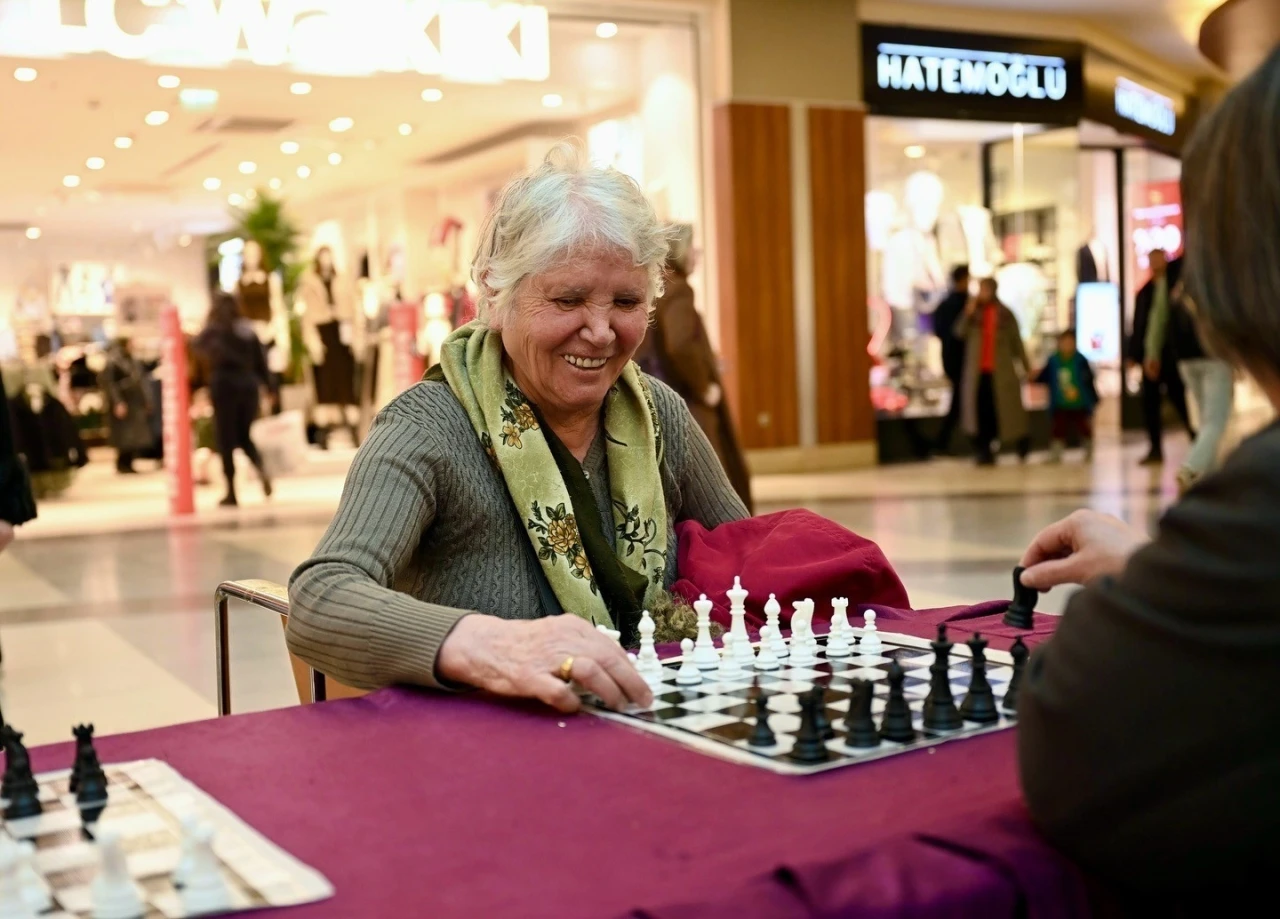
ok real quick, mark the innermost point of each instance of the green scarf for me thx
(550, 490)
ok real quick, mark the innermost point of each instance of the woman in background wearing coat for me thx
(677, 351)
(992, 387)
(128, 405)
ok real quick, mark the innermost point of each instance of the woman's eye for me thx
(626, 304)
(568, 302)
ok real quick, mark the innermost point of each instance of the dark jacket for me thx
(1084, 373)
(233, 355)
(944, 323)
(1148, 737)
(1137, 350)
(17, 505)
(124, 384)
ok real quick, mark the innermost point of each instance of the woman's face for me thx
(324, 258)
(252, 255)
(572, 329)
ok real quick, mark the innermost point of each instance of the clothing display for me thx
(335, 376)
(253, 290)
(46, 436)
(17, 504)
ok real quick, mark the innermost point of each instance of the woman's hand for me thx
(523, 657)
(1078, 549)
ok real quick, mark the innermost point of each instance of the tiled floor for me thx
(106, 613)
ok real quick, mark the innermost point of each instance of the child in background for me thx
(1072, 396)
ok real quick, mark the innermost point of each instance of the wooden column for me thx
(757, 312)
(837, 175)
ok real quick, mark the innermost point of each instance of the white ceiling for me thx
(77, 106)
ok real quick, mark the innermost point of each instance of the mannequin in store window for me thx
(261, 298)
(329, 329)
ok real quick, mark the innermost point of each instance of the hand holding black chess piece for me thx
(979, 703)
(1020, 614)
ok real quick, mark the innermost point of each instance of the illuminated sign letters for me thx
(478, 40)
(1145, 107)
(956, 71)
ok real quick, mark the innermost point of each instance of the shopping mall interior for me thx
(329, 169)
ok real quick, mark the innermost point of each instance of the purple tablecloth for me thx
(416, 804)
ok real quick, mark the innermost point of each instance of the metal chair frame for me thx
(265, 595)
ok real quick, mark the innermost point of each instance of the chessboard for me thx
(718, 715)
(147, 802)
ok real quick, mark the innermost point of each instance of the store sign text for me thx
(1145, 107)
(957, 71)
(478, 41)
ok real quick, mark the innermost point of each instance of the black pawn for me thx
(763, 735)
(84, 738)
(979, 703)
(809, 746)
(1019, 653)
(19, 784)
(825, 727)
(860, 729)
(1019, 615)
(91, 781)
(896, 724)
(940, 712)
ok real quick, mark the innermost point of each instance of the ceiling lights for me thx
(157, 118)
(275, 184)
(169, 81)
(33, 232)
(248, 167)
(339, 125)
(25, 74)
(212, 184)
(432, 95)
(184, 240)
(289, 147)
(552, 100)
(606, 30)
(235, 199)
(300, 88)
(335, 159)
(406, 130)
(71, 181)
(914, 152)
(304, 172)
(124, 142)
(95, 163)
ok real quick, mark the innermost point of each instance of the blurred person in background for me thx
(238, 376)
(677, 351)
(1072, 396)
(944, 322)
(129, 405)
(1166, 381)
(17, 505)
(992, 384)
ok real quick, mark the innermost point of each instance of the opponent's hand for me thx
(1078, 549)
(522, 658)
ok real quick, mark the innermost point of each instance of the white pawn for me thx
(206, 889)
(730, 668)
(838, 639)
(13, 904)
(767, 660)
(34, 889)
(870, 643)
(688, 674)
(773, 614)
(704, 650)
(113, 891)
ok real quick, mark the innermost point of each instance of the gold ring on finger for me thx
(566, 669)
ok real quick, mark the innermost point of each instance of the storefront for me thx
(1044, 164)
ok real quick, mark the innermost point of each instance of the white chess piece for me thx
(767, 660)
(113, 891)
(809, 637)
(206, 889)
(13, 905)
(738, 616)
(704, 650)
(647, 661)
(870, 643)
(35, 890)
(730, 667)
(189, 824)
(688, 674)
(611, 633)
(838, 638)
(772, 615)
(801, 652)
(651, 676)
(743, 651)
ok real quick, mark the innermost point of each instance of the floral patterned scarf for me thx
(471, 362)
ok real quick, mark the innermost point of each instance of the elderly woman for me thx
(528, 490)
(1147, 727)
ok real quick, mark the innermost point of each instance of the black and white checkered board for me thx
(146, 802)
(718, 717)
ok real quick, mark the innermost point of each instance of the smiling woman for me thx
(536, 475)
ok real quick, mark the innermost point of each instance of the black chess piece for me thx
(940, 712)
(896, 724)
(825, 728)
(860, 728)
(809, 745)
(91, 781)
(1019, 615)
(19, 783)
(84, 738)
(1019, 653)
(763, 735)
(979, 703)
